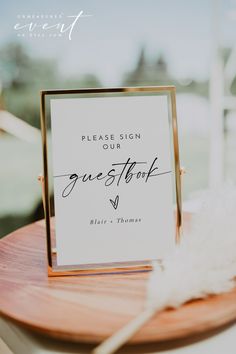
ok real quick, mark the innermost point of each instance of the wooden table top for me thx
(90, 308)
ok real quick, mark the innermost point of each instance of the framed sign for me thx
(111, 170)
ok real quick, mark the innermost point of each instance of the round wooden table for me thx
(91, 308)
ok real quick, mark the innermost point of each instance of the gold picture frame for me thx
(53, 268)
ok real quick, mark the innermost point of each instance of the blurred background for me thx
(189, 44)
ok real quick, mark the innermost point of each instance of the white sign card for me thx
(113, 176)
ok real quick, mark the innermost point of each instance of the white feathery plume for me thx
(205, 261)
(203, 264)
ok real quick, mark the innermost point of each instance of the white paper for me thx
(131, 219)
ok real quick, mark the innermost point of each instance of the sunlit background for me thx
(128, 42)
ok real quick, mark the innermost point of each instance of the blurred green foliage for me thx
(23, 76)
(155, 72)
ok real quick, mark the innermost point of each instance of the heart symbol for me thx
(115, 202)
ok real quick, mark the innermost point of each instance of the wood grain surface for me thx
(90, 308)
